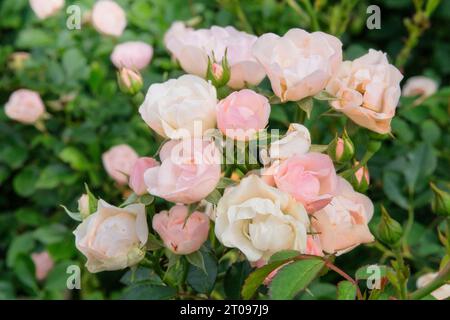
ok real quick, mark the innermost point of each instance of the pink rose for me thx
(193, 47)
(182, 233)
(136, 182)
(310, 178)
(132, 55)
(25, 106)
(298, 64)
(189, 171)
(367, 91)
(43, 264)
(109, 18)
(242, 114)
(419, 86)
(342, 225)
(46, 8)
(118, 162)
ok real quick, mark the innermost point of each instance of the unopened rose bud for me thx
(83, 206)
(130, 81)
(17, 60)
(360, 179)
(389, 231)
(341, 149)
(441, 201)
(218, 74)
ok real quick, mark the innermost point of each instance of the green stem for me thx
(242, 17)
(409, 222)
(402, 280)
(298, 10)
(348, 173)
(312, 13)
(442, 278)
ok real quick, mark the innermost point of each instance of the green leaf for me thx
(74, 64)
(25, 272)
(74, 215)
(306, 105)
(422, 163)
(364, 272)
(214, 197)
(346, 291)
(153, 243)
(147, 199)
(25, 182)
(430, 131)
(141, 274)
(284, 255)
(294, 277)
(13, 155)
(392, 189)
(196, 259)
(148, 291)
(57, 278)
(93, 201)
(29, 216)
(50, 234)
(234, 279)
(22, 244)
(200, 281)
(34, 38)
(75, 158)
(132, 198)
(324, 95)
(51, 176)
(256, 278)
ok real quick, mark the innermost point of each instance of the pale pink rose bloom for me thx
(342, 225)
(189, 171)
(136, 182)
(109, 18)
(25, 106)
(182, 233)
(367, 91)
(299, 64)
(118, 162)
(420, 86)
(440, 293)
(310, 178)
(113, 238)
(242, 114)
(132, 55)
(46, 8)
(43, 263)
(193, 47)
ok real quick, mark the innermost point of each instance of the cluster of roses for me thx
(292, 199)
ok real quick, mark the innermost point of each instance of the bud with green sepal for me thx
(441, 201)
(341, 149)
(389, 231)
(218, 74)
(360, 179)
(130, 81)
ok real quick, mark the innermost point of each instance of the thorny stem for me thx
(402, 281)
(341, 272)
(442, 278)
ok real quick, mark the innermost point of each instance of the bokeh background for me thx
(45, 166)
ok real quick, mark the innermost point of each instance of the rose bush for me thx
(356, 176)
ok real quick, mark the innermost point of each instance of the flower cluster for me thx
(287, 193)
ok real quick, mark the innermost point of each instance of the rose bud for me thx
(109, 18)
(389, 231)
(360, 180)
(136, 182)
(17, 60)
(83, 206)
(43, 264)
(341, 149)
(218, 74)
(441, 201)
(182, 233)
(25, 106)
(130, 81)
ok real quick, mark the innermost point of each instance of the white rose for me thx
(180, 107)
(297, 141)
(113, 238)
(260, 220)
(440, 293)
